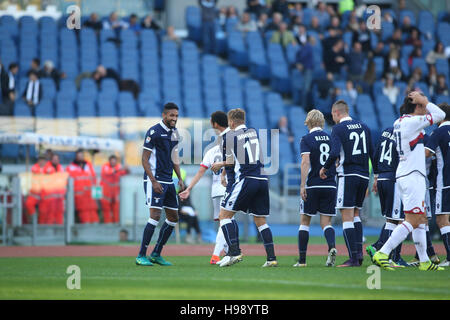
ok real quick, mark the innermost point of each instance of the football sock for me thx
(266, 235)
(330, 236)
(386, 233)
(420, 241)
(303, 237)
(236, 227)
(377, 245)
(220, 243)
(231, 237)
(398, 236)
(147, 236)
(164, 235)
(396, 253)
(359, 234)
(430, 248)
(350, 238)
(445, 232)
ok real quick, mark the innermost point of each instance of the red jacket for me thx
(49, 168)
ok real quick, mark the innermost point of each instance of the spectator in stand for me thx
(363, 37)
(296, 11)
(283, 36)
(315, 25)
(9, 88)
(171, 36)
(304, 62)
(93, 22)
(437, 53)
(222, 17)
(149, 23)
(336, 25)
(33, 91)
(369, 77)
(378, 51)
(133, 23)
(101, 72)
(396, 39)
(331, 11)
(387, 17)
(442, 87)
(49, 71)
(284, 129)
(277, 18)
(281, 6)
(55, 200)
(325, 87)
(414, 38)
(300, 34)
(390, 90)
(208, 10)
(322, 14)
(246, 24)
(416, 53)
(432, 79)
(254, 7)
(392, 64)
(262, 22)
(353, 23)
(295, 22)
(232, 14)
(350, 91)
(335, 59)
(35, 66)
(355, 63)
(416, 76)
(114, 23)
(407, 26)
(330, 41)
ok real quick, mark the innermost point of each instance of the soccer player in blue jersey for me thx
(317, 196)
(352, 144)
(160, 159)
(384, 168)
(250, 191)
(438, 144)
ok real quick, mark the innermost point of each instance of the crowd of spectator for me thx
(349, 59)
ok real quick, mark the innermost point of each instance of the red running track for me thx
(174, 250)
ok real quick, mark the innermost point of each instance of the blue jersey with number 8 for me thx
(317, 144)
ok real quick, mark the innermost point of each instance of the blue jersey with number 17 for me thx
(245, 148)
(352, 144)
(317, 143)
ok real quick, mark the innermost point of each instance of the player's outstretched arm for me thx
(304, 167)
(185, 194)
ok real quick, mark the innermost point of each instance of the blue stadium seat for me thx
(21, 109)
(194, 23)
(45, 109)
(410, 14)
(147, 105)
(237, 52)
(48, 88)
(11, 24)
(385, 111)
(106, 106)
(442, 99)
(86, 107)
(127, 105)
(64, 109)
(420, 63)
(426, 22)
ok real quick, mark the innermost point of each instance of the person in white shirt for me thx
(219, 122)
(411, 177)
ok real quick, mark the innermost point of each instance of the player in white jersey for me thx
(411, 175)
(219, 122)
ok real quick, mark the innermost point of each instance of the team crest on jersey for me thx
(152, 132)
(438, 205)
(340, 200)
(230, 203)
(147, 140)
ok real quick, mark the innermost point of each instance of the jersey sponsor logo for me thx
(429, 118)
(152, 132)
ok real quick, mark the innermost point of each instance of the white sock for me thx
(419, 236)
(398, 236)
(220, 243)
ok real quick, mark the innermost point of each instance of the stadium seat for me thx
(127, 105)
(86, 107)
(64, 109)
(45, 109)
(237, 52)
(106, 106)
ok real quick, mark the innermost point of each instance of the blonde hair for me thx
(315, 118)
(236, 115)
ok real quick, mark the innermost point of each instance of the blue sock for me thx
(396, 253)
(385, 234)
(430, 248)
(303, 238)
(350, 239)
(236, 228)
(330, 236)
(164, 235)
(231, 237)
(147, 236)
(359, 235)
(266, 235)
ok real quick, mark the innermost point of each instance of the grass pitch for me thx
(193, 278)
